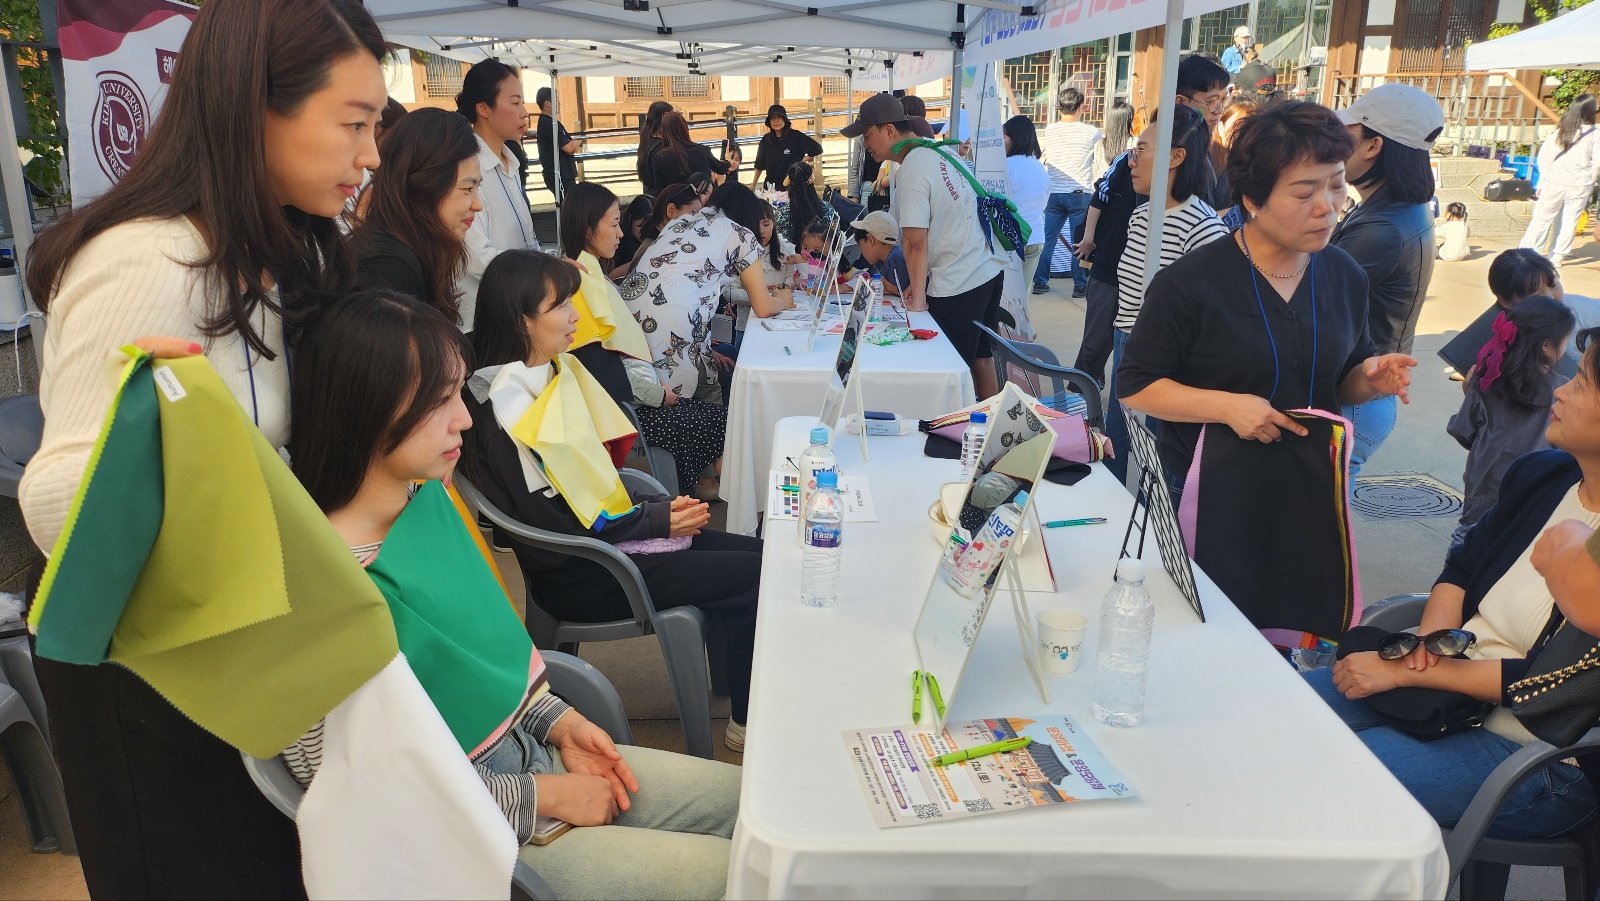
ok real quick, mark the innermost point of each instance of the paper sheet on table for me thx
(786, 325)
(895, 770)
(783, 497)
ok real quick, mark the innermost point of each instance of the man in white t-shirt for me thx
(491, 99)
(944, 244)
(1069, 145)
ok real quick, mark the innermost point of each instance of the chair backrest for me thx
(615, 562)
(1400, 613)
(1010, 359)
(21, 427)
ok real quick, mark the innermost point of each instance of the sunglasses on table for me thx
(1444, 643)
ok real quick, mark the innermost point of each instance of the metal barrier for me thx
(1489, 109)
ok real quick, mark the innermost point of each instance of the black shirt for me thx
(647, 151)
(668, 170)
(1116, 199)
(1202, 327)
(383, 262)
(778, 152)
(547, 153)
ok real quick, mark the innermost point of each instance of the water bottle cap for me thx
(827, 479)
(980, 418)
(1130, 570)
(819, 435)
(1021, 500)
(877, 277)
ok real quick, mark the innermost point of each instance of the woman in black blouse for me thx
(422, 201)
(1270, 320)
(680, 157)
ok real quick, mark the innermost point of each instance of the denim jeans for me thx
(1443, 775)
(1063, 208)
(1373, 421)
(673, 842)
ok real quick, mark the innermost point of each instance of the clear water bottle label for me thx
(823, 536)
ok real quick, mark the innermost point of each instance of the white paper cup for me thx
(1061, 639)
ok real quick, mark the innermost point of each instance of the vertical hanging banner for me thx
(117, 59)
(981, 87)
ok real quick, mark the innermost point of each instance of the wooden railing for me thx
(1490, 109)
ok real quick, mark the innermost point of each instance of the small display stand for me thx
(1152, 505)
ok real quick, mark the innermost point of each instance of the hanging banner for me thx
(1001, 35)
(980, 92)
(909, 71)
(117, 60)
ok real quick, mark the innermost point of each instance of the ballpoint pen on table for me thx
(916, 696)
(1074, 522)
(997, 747)
(787, 352)
(933, 693)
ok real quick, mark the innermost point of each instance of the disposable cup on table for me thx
(1061, 639)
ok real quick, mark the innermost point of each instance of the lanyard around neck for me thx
(1273, 342)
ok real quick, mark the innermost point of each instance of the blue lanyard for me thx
(1256, 284)
(250, 371)
(500, 177)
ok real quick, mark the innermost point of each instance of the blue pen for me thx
(787, 352)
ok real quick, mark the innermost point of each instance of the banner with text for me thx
(1001, 35)
(117, 60)
(910, 70)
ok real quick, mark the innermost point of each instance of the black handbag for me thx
(1426, 714)
(1559, 699)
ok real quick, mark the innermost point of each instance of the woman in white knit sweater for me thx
(220, 236)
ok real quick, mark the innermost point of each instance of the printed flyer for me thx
(905, 788)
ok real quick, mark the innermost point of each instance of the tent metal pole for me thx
(852, 162)
(555, 148)
(1159, 176)
(18, 209)
(953, 130)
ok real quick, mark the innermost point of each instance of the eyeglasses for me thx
(1445, 643)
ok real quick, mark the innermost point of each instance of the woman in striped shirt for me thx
(1190, 222)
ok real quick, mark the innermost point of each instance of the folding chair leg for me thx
(681, 633)
(1482, 881)
(44, 801)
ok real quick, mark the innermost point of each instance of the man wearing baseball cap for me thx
(1390, 233)
(878, 241)
(1233, 57)
(954, 273)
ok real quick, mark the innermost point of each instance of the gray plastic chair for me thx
(21, 430)
(580, 684)
(659, 459)
(1482, 863)
(1073, 390)
(44, 801)
(681, 631)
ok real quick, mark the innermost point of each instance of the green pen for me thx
(933, 692)
(916, 696)
(1074, 522)
(997, 747)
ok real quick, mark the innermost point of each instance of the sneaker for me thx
(1041, 289)
(1079, 292)
(734, 737)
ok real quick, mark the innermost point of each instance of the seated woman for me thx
(634, 221)
(805, 207)
(392, 419)
(672, 202)
(610, 344)
(564, 479)
(1490, 588)
(419, 206)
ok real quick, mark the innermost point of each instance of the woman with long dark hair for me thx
(529, 322)
(649, 143)
(424, 198)
(674, 200)
(680, 157)
(1118, 133)
(220, 238)
(1568, 162)
(634, 221)
(805, 207)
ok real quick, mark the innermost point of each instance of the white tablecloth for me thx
(917, 379)
(1248, 785)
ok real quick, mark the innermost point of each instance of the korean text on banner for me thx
(1002, 35)
(116, 59)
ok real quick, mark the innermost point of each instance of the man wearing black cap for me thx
(781, 147)
(945, 247)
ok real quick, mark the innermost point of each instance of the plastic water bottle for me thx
(980, 557)
(824, 530)
(877, 299)
(1123, 659)
(815, 460)
(972, 443)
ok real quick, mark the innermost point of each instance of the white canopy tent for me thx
(1571, 41)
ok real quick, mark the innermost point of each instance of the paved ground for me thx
(1396, 556)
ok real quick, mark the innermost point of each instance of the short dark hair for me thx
(1024, 137)
(675, 194)
(516, 283)
(541, 97)
(481, 84)
(914, 105)
(1190, 132)
(1198, 74)
(1069, 100)
(381, 362)
(581, 210)
(1520, 272)
(1268, 143)
(1405, 170)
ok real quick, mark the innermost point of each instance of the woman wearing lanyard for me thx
(221, 238)
(1242, 329)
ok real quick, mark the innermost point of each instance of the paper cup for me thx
(1061, 639)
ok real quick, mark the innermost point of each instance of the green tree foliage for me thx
(19, 21)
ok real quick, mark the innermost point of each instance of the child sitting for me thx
(1508, 400)
(1452, 234)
